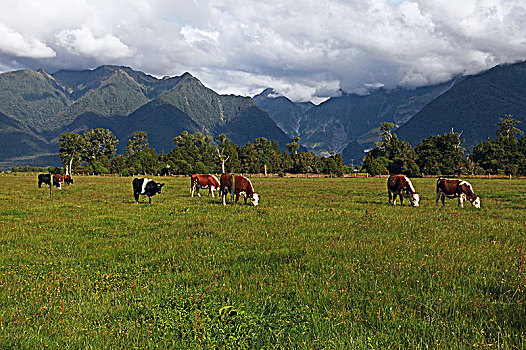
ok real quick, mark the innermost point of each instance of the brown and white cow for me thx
(456, 188)
(59, 179)
(243, 187)
(400, 185)
(204, 181)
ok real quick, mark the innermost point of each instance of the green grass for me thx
(321, 263)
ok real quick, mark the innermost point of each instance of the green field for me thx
(321, 263)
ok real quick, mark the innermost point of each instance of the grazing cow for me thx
(68, 179)
(204, 181)
(46, 179)
(243, 187)
(400, 185)
(146, 187)
(60, 179)
(456, 188)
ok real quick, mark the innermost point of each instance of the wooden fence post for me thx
(51, 185)
(233, 187)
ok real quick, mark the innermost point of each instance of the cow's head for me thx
(415, 199)
(476, 203)
(159, 187)
(255, 199)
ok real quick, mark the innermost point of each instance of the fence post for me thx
(233, 187)
(51, 185)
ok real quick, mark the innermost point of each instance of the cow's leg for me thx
(437, 198)
(192, 189)
(212, 188)
(390, 196)
(394, 198)
(223, 194)
(39, 184)
(149, 200)
(237, 198)
(461, 201)
(443, 198)
(401, 199)
(136, 196)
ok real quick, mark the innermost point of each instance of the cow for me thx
(243, 187)
(60, 179)
(456, 188)
(46, 179)
(147, 187)
(400, 185)
(68, 179)
(204, 181)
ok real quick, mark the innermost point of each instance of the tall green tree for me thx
(507, 127)
(264, 150)
(440, 155)
(100, 142)
(505, 154)
(294, 146)
(391, 155)
(138, 142)
(71, 147)
(222, 150)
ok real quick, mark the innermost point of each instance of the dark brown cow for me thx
(243, 187)
(456, 188)
(68, 179)
(400, 185)
(204, 181)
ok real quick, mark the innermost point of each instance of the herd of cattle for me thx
(397, 185)
(400, 185)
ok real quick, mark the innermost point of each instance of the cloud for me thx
(14, 43)
(305, 50)
(82, 42)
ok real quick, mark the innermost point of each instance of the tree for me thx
(70, 147)
(138, 142)
(249, 158)
(194, 148)
(505, 155)
(100, 142)
(294, 146)
(385, 131)
(264, 151)
(397, 157)
(440, 155)
(507, 127)
(224, 142)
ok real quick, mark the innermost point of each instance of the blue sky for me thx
(306, 50)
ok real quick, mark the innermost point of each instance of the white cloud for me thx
(14, 43)
(303, 49)
(82, 42)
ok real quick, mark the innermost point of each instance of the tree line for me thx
(444, 154)
(94, 152)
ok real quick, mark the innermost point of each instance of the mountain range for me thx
(36, 107)
(349, 123)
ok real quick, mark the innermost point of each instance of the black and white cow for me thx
(46, 179)
(456, 188)
(147, 187)
(400, 185)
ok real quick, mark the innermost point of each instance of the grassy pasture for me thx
(321, 263)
